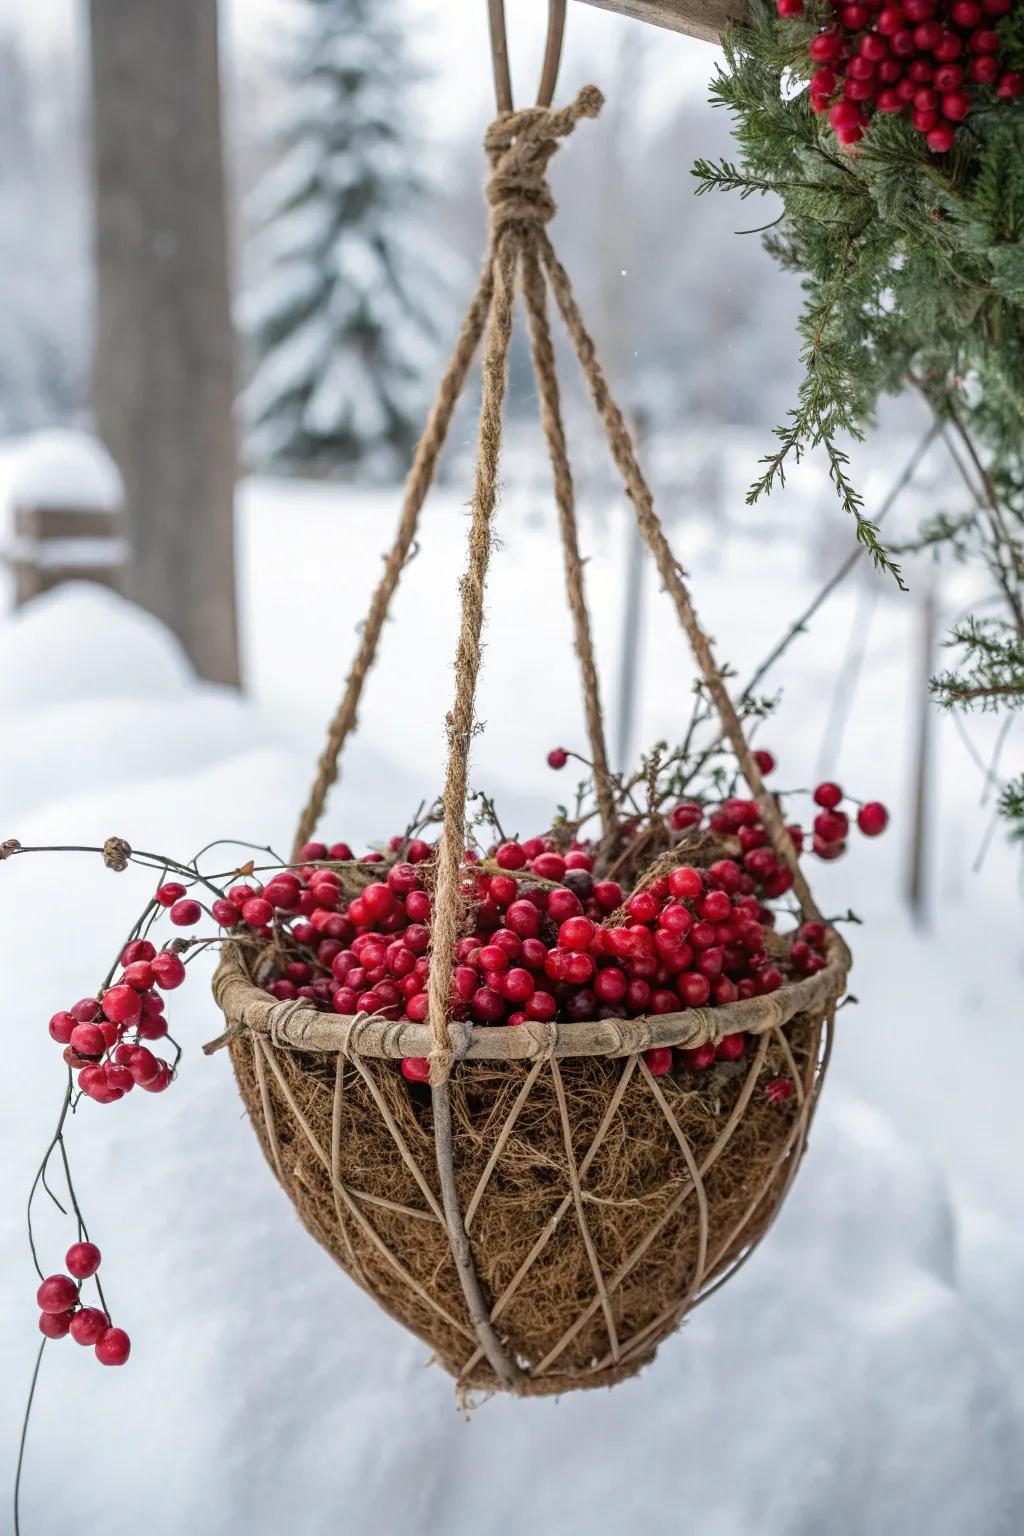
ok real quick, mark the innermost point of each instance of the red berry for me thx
(715, 907)
(948, 49)
(872, 818)
(518, 984)
(168, 970)
(225, 913)
(138, 949)
(161, 1081)
(814, 934)
(82, 1260)
(966, 14)
(57, 1294)
(114, 1347)
(576, 933)
(312, 853)
(1011, 85)
(168, 894)
(825, 46)
(549, 866)
(659, 1060)
(948, 77)
(890, 20)
(541, 1006)
(778, 1089)
(685, 882)
(143, 1066)
(829, 795)
(699, 1057)
(694, 989)
(955, 105)
(831, 826)
(557, 757)
(87, 1040)
(854, 17)
(55, 1325)
(185, 914)
(928, 35)
(643, 906)
(983, 70)
(563, 903)
(122, 1005)
(86, 1010)
(889, 101)
(607, 894)
(510, 856)
(764, 760)
(731, 1047)
(689, 813)
(828, 851)
(984, 40)
(89, 1325)
(62, 1027)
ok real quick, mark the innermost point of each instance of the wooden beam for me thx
(705, 19)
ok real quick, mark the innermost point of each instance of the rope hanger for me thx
(520, 259)
(499, 54)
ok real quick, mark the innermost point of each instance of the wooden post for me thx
(67, 524)
(917, 866)
(706, 19)
(164, 379)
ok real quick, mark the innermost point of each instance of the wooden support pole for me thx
(706, 19)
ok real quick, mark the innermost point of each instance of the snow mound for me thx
(82, 642)
(66, 469)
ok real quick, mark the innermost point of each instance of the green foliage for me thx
(912, 269)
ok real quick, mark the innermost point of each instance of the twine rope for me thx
(520, 255)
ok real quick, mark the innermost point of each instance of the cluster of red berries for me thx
(103, 1036)
(928, 58)
(62, 1312)
(550, 940)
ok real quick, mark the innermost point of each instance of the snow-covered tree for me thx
(340, 320)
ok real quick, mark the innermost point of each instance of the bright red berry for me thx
(699, 1057)
(82, 1260)
(56, 1294)
(557, 757)
(828, 795)
(168, 894)
(872, 818)
(168, 969)
(186, 913)
(659, 1060)
(89, 1325)
(55, 1325)
(114, 1347)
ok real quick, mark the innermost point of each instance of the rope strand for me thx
(535, 298)
(421, 477)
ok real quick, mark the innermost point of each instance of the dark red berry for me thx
(56, 1294)
(114, 1347)
(557, 757)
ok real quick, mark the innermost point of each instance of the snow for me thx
(66, 469)
(861, 1375)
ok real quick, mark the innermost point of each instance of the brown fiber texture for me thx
(600, 1203)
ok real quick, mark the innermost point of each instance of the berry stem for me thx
(24, 1437)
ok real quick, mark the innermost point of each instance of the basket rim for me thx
(297, 1026)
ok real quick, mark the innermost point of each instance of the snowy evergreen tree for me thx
(340, 327)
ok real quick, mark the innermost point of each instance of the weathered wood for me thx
(164, 379)
(705, 19)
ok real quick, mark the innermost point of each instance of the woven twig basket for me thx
(547, 1211)
(600, 1203)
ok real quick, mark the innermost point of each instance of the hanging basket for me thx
(547, 1211)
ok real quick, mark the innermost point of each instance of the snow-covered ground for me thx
(862, 1376)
